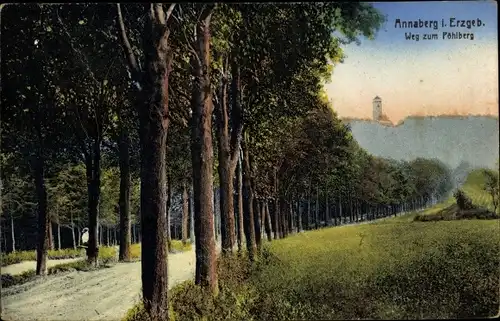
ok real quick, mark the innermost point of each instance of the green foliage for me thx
(106, 253)
(192, 302)
(110, 191)
(491, 186)
(463, 202)
(20, 256)
(175, 246)
(468, 205)
(67, 196)
(11, 280)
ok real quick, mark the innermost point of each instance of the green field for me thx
(392, 269)
(387, 270)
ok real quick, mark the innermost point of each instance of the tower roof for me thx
(377, 98)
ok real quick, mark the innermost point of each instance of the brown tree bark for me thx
(299, 216)
(277, 220)
(229, 143)
(257, 224)
(282, 221)
(185, 213)
(43, 218)
(327, 211)
(12, 234)
(124, 199)
(277, 207)
(262, 214)
(73, 231)
(58, 236)
(51, 236)
(267, 220)
(316, 216)
(239, 188)
(152, 104)
(93, 172)
(202, 155)
(249, 221)
(168, 213)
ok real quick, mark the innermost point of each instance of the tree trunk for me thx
(316, 217)
(262, 211)
(191, 215)
(228, 154)
(249, 225)
(202, 156)
(239, 188)
(73, 235)
(236, 219)
(276, 213)
(58, 236)
(309, 203)
(327, 211)
(100, 234)
(283, 217)
(299, 211)
(43, 218)
(152, 84)
(93, 171)
(124, 199)
(169, 213)
(185, 213)
(340, 209)
(13, 236)
(51, 236)
(279, 211)
(216, 214)
(274, 224)
(267, 220)
(257, 224)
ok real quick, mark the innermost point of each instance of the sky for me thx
(425, 77)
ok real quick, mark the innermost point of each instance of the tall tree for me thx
(151, 100)
(202, 151)
(31, 123)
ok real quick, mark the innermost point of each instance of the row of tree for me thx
(96, 88)
(396, 183)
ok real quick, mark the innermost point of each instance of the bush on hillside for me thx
(463, 201)
(456, 211)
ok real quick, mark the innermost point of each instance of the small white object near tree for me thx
(85, 236)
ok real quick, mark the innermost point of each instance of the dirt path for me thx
(105, 294)
(19, 268)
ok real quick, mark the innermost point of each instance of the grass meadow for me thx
(391, 269)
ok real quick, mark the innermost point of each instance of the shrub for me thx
(17, 257)
(108, 254)
(192, 302)
(10, 280)
(463, 202)
(20, 256)
(135, 251)
(178, 246)
(175, 247)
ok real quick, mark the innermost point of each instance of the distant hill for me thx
(451, 139)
